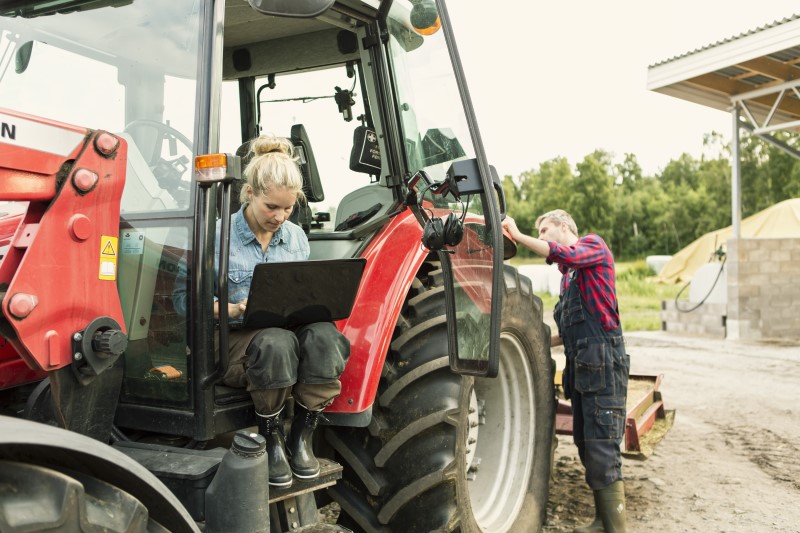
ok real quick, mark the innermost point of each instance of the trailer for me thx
(647, 419)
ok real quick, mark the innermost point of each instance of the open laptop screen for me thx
(293, 293)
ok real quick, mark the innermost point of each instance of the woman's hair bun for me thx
(266, 144)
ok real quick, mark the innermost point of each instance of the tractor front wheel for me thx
(446, 452)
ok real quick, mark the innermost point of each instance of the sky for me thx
(551, 79)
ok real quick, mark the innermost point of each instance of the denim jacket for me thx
(288, 244)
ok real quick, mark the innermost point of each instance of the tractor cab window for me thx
(308, 98)
(114, 67)
(156, 361)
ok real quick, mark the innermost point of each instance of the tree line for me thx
(642, 215)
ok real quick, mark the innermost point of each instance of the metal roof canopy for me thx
(754, 75)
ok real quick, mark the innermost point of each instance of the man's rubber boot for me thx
(304, 464)
(611, 506)
(280, 474)
(597, 524)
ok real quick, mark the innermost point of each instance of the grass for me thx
(638, 294)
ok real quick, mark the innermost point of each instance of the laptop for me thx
(289, 294)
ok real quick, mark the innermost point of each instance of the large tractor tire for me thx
(57, 480)
(36, 498)
(446, 452)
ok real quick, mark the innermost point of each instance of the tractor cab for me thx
(368, 100)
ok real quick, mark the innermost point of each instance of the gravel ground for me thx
(730, 462)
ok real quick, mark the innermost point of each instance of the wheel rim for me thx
(499, 471)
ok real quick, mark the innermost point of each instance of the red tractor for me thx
(113, 413)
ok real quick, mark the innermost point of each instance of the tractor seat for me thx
(312, 186)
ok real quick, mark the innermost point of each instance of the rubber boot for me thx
(280, 474)
(611, 506)
(597, 524)
(304, 464)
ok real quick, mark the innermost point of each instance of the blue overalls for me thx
(596, 380)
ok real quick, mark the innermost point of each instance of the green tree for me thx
(592, 196)
(769, 174)
(641, 215)
(541, 190)
(629, 173)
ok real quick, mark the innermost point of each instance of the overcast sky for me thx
(552, 79)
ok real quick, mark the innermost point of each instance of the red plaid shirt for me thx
(596, 278)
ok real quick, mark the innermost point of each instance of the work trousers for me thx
(596, 381)
(273, 363)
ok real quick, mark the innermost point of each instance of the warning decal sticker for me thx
(108, 258)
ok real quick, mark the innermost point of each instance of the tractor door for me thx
(442, 143)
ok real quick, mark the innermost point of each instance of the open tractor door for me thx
(112, 113)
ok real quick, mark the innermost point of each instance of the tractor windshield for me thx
(125, 67)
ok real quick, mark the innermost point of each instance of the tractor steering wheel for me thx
(172, 174)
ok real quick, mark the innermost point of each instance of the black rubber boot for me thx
(611, 506)
(280, 475)
(597, 524)
(304, 464)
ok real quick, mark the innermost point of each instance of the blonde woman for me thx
(273, 363)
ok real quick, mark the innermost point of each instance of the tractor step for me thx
(329, 473)
(188, 473)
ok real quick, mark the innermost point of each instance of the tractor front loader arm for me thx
(58, 291)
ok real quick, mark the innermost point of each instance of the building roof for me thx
(760, 68)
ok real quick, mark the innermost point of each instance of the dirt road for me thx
(731, 461)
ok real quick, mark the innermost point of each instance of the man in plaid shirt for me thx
(595, 378)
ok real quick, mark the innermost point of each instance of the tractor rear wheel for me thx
(446, 452)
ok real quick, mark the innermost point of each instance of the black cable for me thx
(721, 267)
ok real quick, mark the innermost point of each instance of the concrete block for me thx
(780, 255)
(771, 291)
(749, 267)
(741, 330)
(769, 267)
(749, 290)
(790, 267)
(669, 317)
(757, 280)
(779, 331)
(711, 320)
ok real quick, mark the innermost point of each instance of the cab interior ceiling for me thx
(283, 44)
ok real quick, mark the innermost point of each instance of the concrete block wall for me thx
(763, 286)
(763, 281)
(707, 320)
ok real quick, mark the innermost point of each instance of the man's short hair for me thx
(559, 215)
